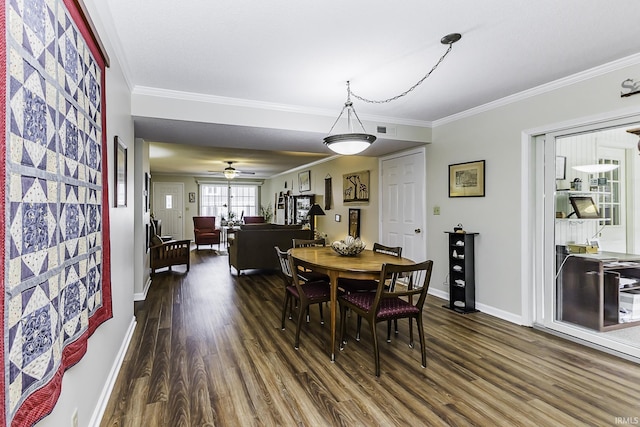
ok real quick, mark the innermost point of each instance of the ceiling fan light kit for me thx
(356, 142)
(230, 172)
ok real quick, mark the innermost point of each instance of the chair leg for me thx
(388, 330)
(396, 325)
(287, 298)
(308, 317)
(358, 328)
(301, 312)
(343, 326)
(376, 352)
(411, 345)
(423, 347)
(321, 314)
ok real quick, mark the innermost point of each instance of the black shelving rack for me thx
(462, 282)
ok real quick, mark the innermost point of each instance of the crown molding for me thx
(247, 103)
(547, 87)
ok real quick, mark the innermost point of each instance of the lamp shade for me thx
(315, 210)
(349, 143)
(595, 168)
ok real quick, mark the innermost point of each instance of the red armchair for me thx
(204, 231)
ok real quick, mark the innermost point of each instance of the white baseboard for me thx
(98, 412)
(492, 311)
(143, 295)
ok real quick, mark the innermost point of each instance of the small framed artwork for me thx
(338, 218)
(192, 197)
(120, 173)
(466, 179)
(304, 181)
(146, 192)
(354, 223)
(561, 167)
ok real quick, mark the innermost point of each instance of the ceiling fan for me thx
(230, 172)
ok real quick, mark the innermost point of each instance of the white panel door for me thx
(402, 216)
(168, 205)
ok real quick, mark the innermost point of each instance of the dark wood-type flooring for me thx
(208, 350)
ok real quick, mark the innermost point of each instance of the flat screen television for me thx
(584, 207)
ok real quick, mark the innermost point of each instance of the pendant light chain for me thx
(384, 101)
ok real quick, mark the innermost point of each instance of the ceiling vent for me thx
(391, 131)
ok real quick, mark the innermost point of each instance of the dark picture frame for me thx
(120, 173)
(192, 197)
(561, 167)
(304, 181)
(354, 223)
(467, 179)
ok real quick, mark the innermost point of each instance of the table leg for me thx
(333, 277)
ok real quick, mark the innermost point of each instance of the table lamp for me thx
(313, 212)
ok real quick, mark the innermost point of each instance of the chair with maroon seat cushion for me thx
(205, 232)
(304, 293)
(391, 302)
(359, 285)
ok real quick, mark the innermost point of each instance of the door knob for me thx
(417, 231)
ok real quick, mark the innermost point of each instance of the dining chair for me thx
(305, 294)
(392, 302)
(358, 285)
(304, 273)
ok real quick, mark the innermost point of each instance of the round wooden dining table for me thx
(366, 265)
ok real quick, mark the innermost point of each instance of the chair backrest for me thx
(204, 223)
(405, 281)
(253, 219)
(156, 227)
(285, 266)
(389, 250)
(305, 243)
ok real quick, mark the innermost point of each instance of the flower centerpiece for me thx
(349, 246)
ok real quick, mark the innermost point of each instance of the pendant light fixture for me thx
(354, 142)
(351, 142)
(596, 168)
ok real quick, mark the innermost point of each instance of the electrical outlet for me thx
(436, 210)
(74, 418)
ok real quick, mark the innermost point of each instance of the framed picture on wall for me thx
(466, 179)
(561, 167)
(354, 223)
(304, 181)
(120, 173)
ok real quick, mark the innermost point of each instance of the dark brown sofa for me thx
(251, 247)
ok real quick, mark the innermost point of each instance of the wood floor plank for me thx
(208, 350)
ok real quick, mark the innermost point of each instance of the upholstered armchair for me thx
(205, 232)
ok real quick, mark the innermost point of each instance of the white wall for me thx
(495, 135)
(84, 382)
